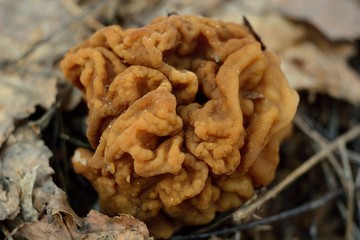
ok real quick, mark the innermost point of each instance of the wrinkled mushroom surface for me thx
(185, 118)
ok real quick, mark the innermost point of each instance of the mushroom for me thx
(186, 116)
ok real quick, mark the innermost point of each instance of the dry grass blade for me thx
(354, 157)
(349, 190)
(306, 207)
(248, 209)
(321, 141)
(357, 196)
(344, 173)
(5, 231)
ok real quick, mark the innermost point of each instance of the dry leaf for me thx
(277, 33)
(45, 211)
(22, 152)
(57, 218)
(337, 19)
(9, 199)
(19, 95)
(309, 63)
(322, 70)
(60, 222)
(23, 23)
(99, 226)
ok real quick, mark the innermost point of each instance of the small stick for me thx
(245, 211)
(344, 173)
(74, 141)
(354, 156)
(309, 206)
(314, 135)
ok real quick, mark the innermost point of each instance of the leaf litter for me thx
(337, 19)
(20, 96)
(31, 205)
(41, 208)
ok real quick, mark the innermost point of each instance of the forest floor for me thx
(42, 119)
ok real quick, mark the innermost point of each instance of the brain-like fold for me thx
(185, 117)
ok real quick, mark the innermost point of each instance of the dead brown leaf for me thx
(22, 152)
(337, 19)
(60, 222)
(30, 26)
(9, 199)
(18, 97)
(41, 208)
(99, 226)
(310, 63)
(322, 70)
(287, 34)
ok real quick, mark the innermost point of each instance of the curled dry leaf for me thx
(57, 217)
(60, 222)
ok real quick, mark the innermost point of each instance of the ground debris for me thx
(40, 209)
(60, 222)
(305, 36)
(310, 61)
(22, 152)
(337, 19)
(19, 95)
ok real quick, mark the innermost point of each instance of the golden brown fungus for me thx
(185, 118)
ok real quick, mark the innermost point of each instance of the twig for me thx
(320, 140)
(5, 231)
(344, 173)
(315, 204)
(243, 212)
(39, 125)
(74, 141)
(227, 216)
(354, 157)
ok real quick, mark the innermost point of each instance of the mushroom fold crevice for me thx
(186, 116)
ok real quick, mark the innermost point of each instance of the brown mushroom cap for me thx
(185, 117)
